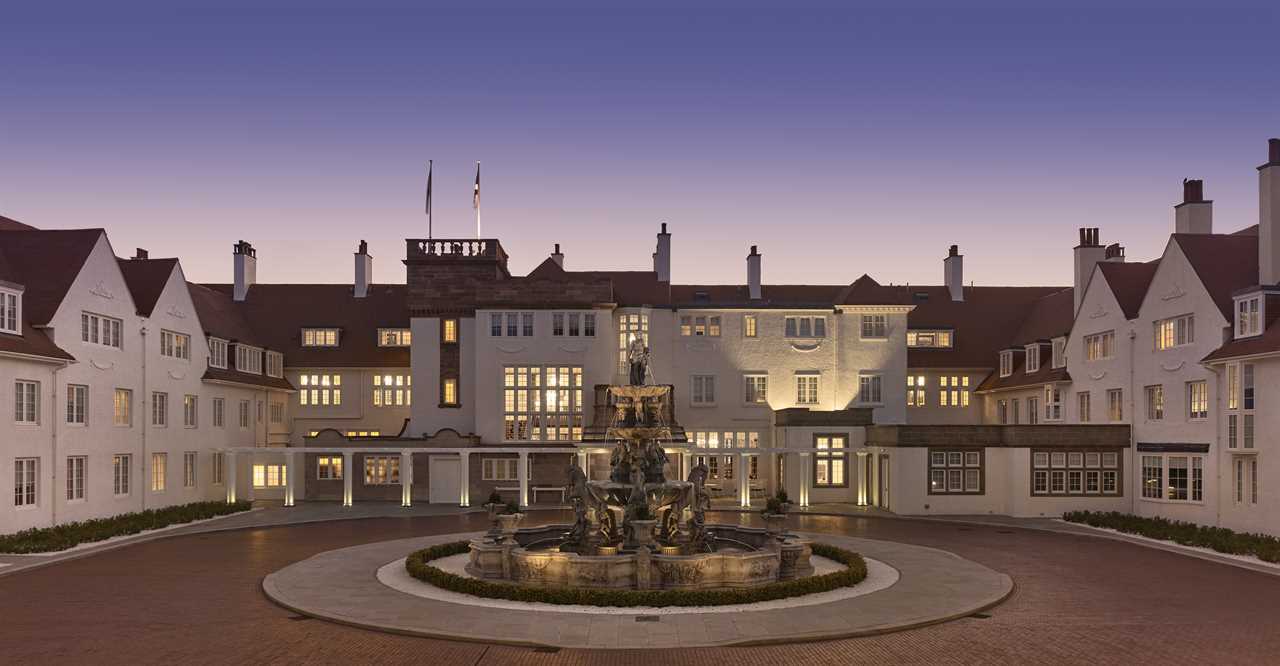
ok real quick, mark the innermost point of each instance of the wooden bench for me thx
(546, 489)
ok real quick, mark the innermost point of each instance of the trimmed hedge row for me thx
(417, 565)
(1220, 539)
(61, 537)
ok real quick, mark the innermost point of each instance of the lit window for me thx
(392, 390)
(1100, 346)
(319, 337)
(329, 467)
(929, 339)
(1115, 404)
(159, 470)
(953, 391)
(449, 392)
(542, 403)
(122, 407)
(757, 389)
(631, 327)
(1197, 400)
(175, 345)
(1248, 316)
(381, 470)
(321, 390)
(830, 460)
(916, 391)
(700, 325)
(1175, 332)
(449, 331)
(749, 324)
(268, 476)
(401, 337)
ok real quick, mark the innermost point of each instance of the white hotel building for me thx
(1141, 387)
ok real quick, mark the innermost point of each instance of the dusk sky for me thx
(840, 141)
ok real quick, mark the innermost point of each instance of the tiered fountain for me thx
(638, 529)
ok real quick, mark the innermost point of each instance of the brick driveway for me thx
(196, 599)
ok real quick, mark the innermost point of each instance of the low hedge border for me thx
(67, 535)
(417, 565)
(1219, 539)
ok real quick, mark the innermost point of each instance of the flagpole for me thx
(476, 199)
(430, 164)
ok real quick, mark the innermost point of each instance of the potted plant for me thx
(642, 526)
(775, 515)
(510, 518)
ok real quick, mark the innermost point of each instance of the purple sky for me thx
(840, 142)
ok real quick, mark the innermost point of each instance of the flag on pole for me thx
(475, 199)
(429, 169)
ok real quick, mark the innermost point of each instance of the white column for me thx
(806, 472)
(584, 461)
(861, 457)
(464, 480)
(684, 465)
(290, 476)
(744, 483)
(873, 488)
(406, 478)
(524, 478)
(229, 472)
(347, 473)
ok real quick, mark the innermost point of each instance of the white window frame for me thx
(930, 338)
(26, 482)
(77, 405)
(1174, 332)
(10, 311)
(1032, 358)
(1250, 315)
(319, 390)
(1052, 402)
(159, 409)
(218, 353)
(702, 390)
(1154, 395)
(101, 330)
(121, 472)
(26, 402)
(874, 327)
(219, 412)
(1099, 346)
(392, 390)
(321, 337)
(249, 359)
(1084, 406)
(1059, 353)
(329, 467)
(542, 402)
(189, 460)
(755, 388)
(499, 469)
(870, 388)
(1115, 405)
(275, 364)
(1006, 363)
(402, 337)
(175, 345)
(219, 468)
(382, 470)
(245, 414)
(270, 475)
(808, 388)
(805, 327)
(917, 391)
(1193, 463)
(190, 411)
(159, 471)
(1197, 400)
(750, 326)
(76, 478)
(953, 391)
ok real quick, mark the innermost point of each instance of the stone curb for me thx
(919, 559)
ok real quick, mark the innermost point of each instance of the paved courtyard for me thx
(197, 598)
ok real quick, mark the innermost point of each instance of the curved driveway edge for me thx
(341, 586)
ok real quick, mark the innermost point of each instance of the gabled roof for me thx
(9, 224)
(1224, 263)
(146, 279)
(220, 317)
(45, 263)
(1129, 283)
(987, 320)
(281, 311)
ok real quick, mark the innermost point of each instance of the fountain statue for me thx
(637, 528)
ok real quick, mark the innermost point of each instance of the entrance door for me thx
(884, 483)
(444, 485)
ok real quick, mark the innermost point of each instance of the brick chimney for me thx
(1269, 216)
(953, 273)
(1194, 215)
(1087, 255)
(558, 256)
(662, 256)
(141, 253)
(753, 274)
(364, 271)
(245, 263)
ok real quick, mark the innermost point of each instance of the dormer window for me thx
(1006, 363)
(1033, 358)
(397, 337)
(10, 311)
(1059, 352)
(1249, 316)
(929, 339)
(217, 353)
(249, 359)
(319, 337)
(275, 364)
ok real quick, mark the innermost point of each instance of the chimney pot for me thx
(1192, 191)
(953, 251)
(245, 269)
(558, 256)
(1273, 151)
(363, 248)
(140, 253)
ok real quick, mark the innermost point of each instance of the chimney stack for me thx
(753, 274)
(1269, 216)
(141, 253)
(1114, 252)
(662, 257)
(953, 273)
(558, 256)
(1087, 255)
(364, 271)
(245, 261)
(1194, 215)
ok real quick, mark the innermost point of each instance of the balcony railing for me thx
(454, 249)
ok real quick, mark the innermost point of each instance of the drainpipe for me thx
(1134, 460)
(146, 410)
(53, 463)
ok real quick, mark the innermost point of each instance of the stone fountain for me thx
(638, 529)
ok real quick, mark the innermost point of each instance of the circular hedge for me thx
(855, 570)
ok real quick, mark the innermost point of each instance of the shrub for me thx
(774, 505)
(511, 508)
(495, 498)
(417, 564)
(61, 537)
(1219, 539)
(782, 496)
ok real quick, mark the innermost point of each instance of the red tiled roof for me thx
(45, 263)
(9, 224)
(279, 312)
(146, 279)
(1224, 263)
(1129, 283)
